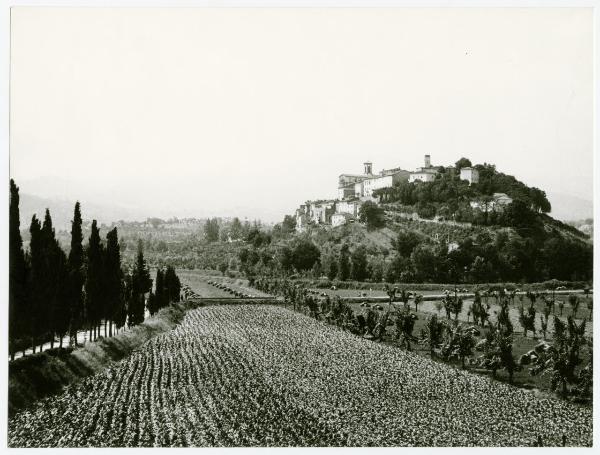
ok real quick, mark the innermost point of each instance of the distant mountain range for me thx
(61, 211)
(564, 207)
(570, 208)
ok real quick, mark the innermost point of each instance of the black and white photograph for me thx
(274, 226)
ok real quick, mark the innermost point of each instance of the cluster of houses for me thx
(355, 189)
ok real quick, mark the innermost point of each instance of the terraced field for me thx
(253, 375)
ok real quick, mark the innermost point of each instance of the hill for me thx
(566, 207)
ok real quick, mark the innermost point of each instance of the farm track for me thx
(253, 375)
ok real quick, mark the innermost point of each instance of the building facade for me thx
(470, 174)
(362, 185)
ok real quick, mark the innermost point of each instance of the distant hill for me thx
(61, 211)
(569, 208)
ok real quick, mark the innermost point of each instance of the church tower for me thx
(368, 168)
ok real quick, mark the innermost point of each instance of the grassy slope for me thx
(39, 375)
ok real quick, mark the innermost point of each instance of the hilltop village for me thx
(356, 189)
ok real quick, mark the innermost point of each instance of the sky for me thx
(250, 112)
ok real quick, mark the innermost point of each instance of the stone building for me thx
(348, 207)
(427, 173)
(470, 174)
(362, 185)
(339, 219)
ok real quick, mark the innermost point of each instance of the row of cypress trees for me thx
(52, 294)
(167, 289)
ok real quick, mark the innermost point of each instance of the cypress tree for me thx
(17, 302)
(76, 276)
(128, 300)
(93, 281)
(35, 281)
(62, 309)
(344, 263)
(160, 289)
(51, 279)
(172, 285)
(152, 304)
(113, 280)
(141, 284)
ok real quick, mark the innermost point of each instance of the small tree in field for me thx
(498, 351)
(405, 324)
(561, 306)
(404, 297)
(527, 319)
(418, 301)
(391, 292)
(459, 343)
(434, 333)
(574, 302)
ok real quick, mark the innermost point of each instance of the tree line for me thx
(55, 294)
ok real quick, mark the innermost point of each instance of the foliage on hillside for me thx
(449, 197)
(426, 252)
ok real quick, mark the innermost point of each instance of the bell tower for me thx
(368, 168)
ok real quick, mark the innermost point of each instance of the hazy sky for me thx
(252, 111)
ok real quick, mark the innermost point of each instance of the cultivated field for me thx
(265, 376)
(198, 280)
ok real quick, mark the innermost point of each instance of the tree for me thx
(405, 323)
(434, 331)
(288, 225)
(141, 283)
(404, 297)
(459, 343)
(172, 286)
(160, 291)
(527, 319)
(76, 276)
(305, 254)
(406, 242)
(359, 263)
(17, 280)
(211, 230)
(94, 283)
(372, 215)
(329, 264)
(344, 263)
(151, 304)
(418, 299)
(463, 162)
(574, 302)
(424, 260)
(62, 310)
(498, 351)
(35, 282)
(54, 310)
(113, 276)
(236, 229)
